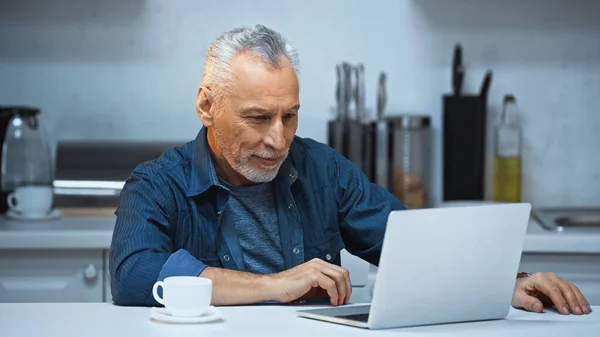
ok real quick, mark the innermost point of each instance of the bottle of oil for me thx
(508, 153)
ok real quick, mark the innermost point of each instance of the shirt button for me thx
(289, 206)
(328, 257)
(226, 257)
(296, 250)
(219, 212)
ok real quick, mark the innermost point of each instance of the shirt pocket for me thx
(327, 249)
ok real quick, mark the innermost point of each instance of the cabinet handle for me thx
(90, 272)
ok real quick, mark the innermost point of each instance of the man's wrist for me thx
(523, 274)
(268, 288)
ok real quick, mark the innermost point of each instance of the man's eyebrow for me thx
(257, 109)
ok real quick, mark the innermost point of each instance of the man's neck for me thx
(222, 167)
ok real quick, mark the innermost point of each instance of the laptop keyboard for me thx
(359, 317)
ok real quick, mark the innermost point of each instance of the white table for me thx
(107, 320)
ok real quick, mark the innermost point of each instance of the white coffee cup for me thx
(184, 296)
(31, 200)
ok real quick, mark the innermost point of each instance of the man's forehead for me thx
(253, 76)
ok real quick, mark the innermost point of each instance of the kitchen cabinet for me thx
(51, 275)
(82, 275)
(107, 294)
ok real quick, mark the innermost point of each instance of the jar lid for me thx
(21, 110)
(409, 121)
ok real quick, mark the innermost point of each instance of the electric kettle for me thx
(26, 159)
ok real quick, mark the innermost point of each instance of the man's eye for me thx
(292, 115)
(260, 118)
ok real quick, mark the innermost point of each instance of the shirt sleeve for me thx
(363, 209)
(141, 250)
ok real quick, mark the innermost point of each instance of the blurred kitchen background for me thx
(129, 70)
(115, 83)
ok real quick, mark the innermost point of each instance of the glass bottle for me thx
(409, 148)
(508, 153)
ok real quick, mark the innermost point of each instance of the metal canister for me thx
(409, 159)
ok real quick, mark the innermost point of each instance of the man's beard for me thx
(240, 161)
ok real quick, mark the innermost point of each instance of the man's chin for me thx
(261, 178)
(264, 174)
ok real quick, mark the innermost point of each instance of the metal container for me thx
(409, 159)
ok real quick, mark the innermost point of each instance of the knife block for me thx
(353, 140)
(464, 135)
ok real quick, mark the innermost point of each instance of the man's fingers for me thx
(341, 276)
(345, 283)
(569, 296)
(550, 289)
(348, 285)
(529, 302)
(582, 298)
(522, 300)
(339, 283)
(328, 284)
(582, 301)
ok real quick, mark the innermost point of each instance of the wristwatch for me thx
(523, 274)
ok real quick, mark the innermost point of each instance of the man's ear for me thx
(204, 106)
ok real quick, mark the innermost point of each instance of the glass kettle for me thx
(26, 152)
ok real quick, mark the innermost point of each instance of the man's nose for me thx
(275, 138)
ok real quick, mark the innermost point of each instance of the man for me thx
(260, 211)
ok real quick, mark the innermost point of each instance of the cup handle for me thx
(11, 201)
(155, 292)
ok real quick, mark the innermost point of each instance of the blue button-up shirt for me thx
(170, 218)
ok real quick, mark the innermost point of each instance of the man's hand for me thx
(311, 279)
(546, 289)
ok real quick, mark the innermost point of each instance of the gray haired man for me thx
(260, 211)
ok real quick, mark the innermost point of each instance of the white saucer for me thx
(161, 314)
(55, 213)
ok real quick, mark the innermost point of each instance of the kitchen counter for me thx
(66, 232)
(95, 232)
(540, 240)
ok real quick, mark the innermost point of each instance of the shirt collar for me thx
(203, 174)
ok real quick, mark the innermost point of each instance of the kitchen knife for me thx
(339, 91)
(346, 121)
(485, 85)
(381, 137)
(458, 71)
(381, 96)
(347, 89)
(360, 92)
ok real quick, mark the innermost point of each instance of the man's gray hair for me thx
(265, 43)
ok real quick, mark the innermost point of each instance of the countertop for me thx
(95, 232)
(66, 232)
(540, 240)
(104, 319)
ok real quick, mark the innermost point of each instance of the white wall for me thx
(117, 69)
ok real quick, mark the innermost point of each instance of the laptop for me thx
(441, 265)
